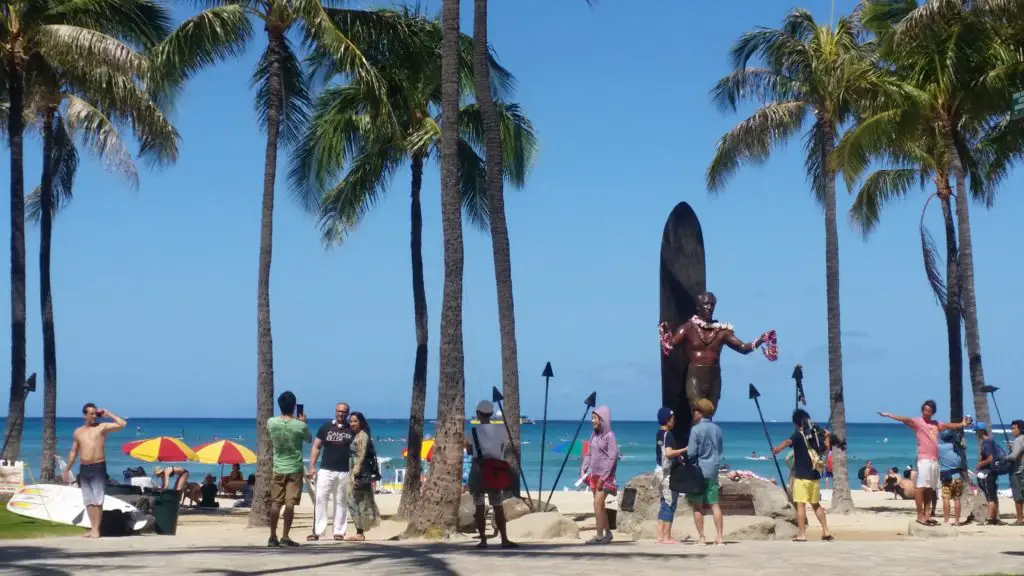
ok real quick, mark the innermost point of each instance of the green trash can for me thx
(165, 511)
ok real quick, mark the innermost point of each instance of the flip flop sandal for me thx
(798, 539)
(828, 538)
(312, 538)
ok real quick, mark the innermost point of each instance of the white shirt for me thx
(492, 438)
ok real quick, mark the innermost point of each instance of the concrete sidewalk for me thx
(160, 555)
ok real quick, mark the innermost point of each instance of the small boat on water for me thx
(499, 419)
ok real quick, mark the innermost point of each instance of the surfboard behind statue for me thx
(63, 505)
(683, 277)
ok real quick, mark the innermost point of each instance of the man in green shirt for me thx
(287, 433)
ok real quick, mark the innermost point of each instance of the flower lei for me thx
(770, 346)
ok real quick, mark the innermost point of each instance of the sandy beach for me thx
(220, 543)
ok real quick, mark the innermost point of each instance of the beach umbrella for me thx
(160, 449)
(578, 448)
(426, 450)
(224, 452)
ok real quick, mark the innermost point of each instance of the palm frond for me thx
(473, 185)
(97, 132)
(210, 37)
(753, 139)
(344, 206)
(140, 23)
(759, 85)
(64, 167)
(294, 92)
(518, 139)
(877, 190)
(74, 48)
(931, 259)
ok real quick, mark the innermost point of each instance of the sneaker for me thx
(289, 543)
(607, 538)
(273, 543)
(595, 540)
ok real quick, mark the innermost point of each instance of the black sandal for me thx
(312, 538)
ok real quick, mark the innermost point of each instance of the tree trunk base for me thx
(842, 505)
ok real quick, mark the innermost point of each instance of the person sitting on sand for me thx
(868, 476)
(927, 433)
(234, 481)
(209, 493)
(892, 480)
(164, 474)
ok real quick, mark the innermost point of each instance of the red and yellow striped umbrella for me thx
(224, 452)
(426, 450)
(160, 449)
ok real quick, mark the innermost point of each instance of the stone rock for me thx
(467, 512)
(542, 526)
(756, 528)
(768, 499)
(973, 507)
(648, 530)
(516, 508)
(916, 530)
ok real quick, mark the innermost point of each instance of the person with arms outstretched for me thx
(90, 442)
(928, 469)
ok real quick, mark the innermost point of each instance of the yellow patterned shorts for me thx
(952, 489)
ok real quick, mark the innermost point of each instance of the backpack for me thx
(1000, 463)
(814, 439)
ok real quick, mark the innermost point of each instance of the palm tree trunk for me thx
(439, 513)
(842, 500)
(15, 139)
(46, 469)
(499, 227)
(953, 312)
(259, 516)
(411, 490)
(966, 271)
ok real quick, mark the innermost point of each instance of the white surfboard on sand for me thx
(63, 505)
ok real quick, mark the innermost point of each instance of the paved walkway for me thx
(160, 555)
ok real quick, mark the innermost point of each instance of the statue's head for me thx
(706, 306)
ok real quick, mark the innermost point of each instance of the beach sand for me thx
(219, 543)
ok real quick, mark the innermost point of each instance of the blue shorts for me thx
(667, 511)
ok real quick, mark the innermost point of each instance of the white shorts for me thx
(928, 474)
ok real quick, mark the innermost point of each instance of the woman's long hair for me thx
(363, 424)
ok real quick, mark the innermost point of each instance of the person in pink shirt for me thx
(927, 432)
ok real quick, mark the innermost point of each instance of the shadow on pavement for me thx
(400, 559)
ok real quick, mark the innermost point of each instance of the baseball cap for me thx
(663, 416)
(485, 407)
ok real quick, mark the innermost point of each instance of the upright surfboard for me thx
(63, 505)
(683, 277)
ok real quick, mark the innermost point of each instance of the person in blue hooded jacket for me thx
(951, 466)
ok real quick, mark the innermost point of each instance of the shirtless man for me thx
(704, 338)
(90, 439)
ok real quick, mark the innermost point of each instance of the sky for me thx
(155, 289)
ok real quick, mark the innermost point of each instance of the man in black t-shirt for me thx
(335, 438)
(806, 480)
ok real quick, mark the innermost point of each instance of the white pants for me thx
(928, 474)
(330, 483)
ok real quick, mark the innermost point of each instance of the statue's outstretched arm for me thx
(736, 344)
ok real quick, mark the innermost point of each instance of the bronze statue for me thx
(704, 337)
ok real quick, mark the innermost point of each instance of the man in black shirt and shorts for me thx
(335, 438)
(806, 480)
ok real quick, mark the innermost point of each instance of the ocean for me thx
(886, 445)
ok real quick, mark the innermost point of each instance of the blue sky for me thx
(155, 290)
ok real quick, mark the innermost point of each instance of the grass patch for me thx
(13, 527)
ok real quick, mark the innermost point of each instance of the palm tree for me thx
(282, 100)
(809, 70)
(344, 133)
(911, 149)
(79, 39)
(96, 105)
(499, 227)
(438, 513)
(946, 50)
